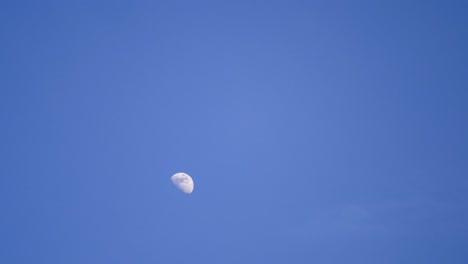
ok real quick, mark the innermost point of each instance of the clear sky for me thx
(314, 133)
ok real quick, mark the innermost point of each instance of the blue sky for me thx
(315, 133)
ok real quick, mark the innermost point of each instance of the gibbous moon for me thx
(183, 181)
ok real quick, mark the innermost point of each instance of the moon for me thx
(183, 181)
